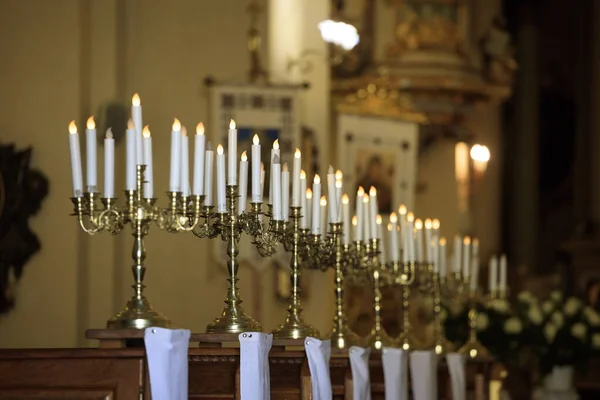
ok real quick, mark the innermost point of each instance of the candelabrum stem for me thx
(378, 337)
(440, 339)
(473, 348)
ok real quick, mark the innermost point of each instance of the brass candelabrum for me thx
(473, 348)
(190, 214)
(404, 276)
(97, 214)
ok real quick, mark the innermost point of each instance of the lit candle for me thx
(130, 171)
(316, 211)
(435, 250)
(174, 180)
(243, 183)
(323, 215)
(346, 219)
(366, 234)
(394, 250)
(474, 281)
(221, 198)
(405, 249)
(443, 268)
(256, 171)
(184, 183)
(303, 203)
(466, 257)
(333, 214)
(493, 274)
(360, 219)
(274, 152)
(262, 181)
(457, 256)
(410, 236)
(436, 228)
(419, 240)
(208, 175)
(285, 192)
(503, 265)
(148, 174)
(109, 165)
(276, 198)
(309, 208)
(136, 115)
(338, 193)
(199, 149)
(402, 216)
(382, 255)
(354, 227)
(91, 153)
(75, 160)
(475, 247)
(428, 241)
(232, 155)
(374, 211)
(296, 186)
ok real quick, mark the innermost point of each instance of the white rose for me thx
(550, 332)
(596, 341)
(525, 296)
(558, 319)
(482, 321)
(579, 330)
(501, 305)
(572, 306)
(547, 307)
(535, 315)
(592, 316)
(513, 325)
(556, 295)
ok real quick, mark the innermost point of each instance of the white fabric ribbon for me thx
(457, 364)
(423, 372)
(167, 353)
(395, 373)
(255, 381)
(359, 363)
(318, 353)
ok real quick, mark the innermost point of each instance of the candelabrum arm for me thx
(93, 220)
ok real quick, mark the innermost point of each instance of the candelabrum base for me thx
(234, 320)
(379, 339)
(474, 349)
(294, 327)
(342, 339)
(138, 314)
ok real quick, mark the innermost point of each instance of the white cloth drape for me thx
(318, 353)
(458, 375)
(395, 373)
(359, 363)
(423, 372)
(255, 382)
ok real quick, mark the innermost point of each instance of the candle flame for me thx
(244, 157)
(330, 170)
(231, 124)
(176, 125)
(109, 134)
(297, 153)
(436, 223)
(372, 191)
(130, 124)
(255, 140)
(338, 175)
(378, 219)
(72, 128)
(183, 131)
(219, 149)
(146, 131)
(338, 184)
(276, 144)
(91, 124)
(200, 128)
(366, 199)
(302, 174)
(308, 194)
(480, 153)
(317, 179)
(402, 209)
(467, 240)
(393, 217)
(284, 168)
(262, 166)
(410, 217)
(360, 192)
(323, 201)
(355, 220)
(135, 100)
(428, 223)
(475, 242)
(389, 227)
(442, 241)
(345, 199)
(418, 223)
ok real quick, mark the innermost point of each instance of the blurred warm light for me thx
(480, 153)
(339, 33)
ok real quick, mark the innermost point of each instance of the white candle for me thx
(474, 281)
(493, 275)
(466, 268)
(75, 160)
(303, 203)
(148, 174)
(374, 211)
(109, 165)
(256, 171)
(243, 183)
(360, 219)
(428, 241)
(274, 152)
(199, 149)
(276, 188)
(285, 192)
(382, 253)
(208, 175)
(436, 228)
(346, 219)
(184, 182)
(136, 115)
(394, 249)
(435, 246)
(503, 265)
(402, 216)
(174, 180)
(443, 265)
(296, 177)
(410, 236)
(332, 195)
(232, 155)
(366, 233)
(457, 254)
(419, 240)
(339, 183)
(316, 211)
(323, 215)
(354, 227)
(405, 251)
(130, 171)
(309, 208)
(221, 198)
(91, 155)
(262, 181)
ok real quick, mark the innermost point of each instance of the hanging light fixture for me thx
(337, 32)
